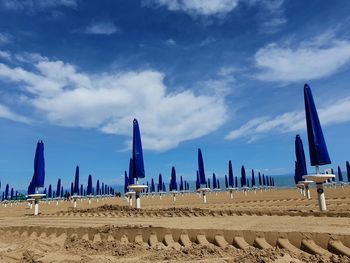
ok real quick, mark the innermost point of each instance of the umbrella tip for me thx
(306, 86)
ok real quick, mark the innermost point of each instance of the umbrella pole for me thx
(320, 192)
(231, 194)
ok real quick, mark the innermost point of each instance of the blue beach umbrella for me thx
(259, 179)
(236, 182)
(300, 156)
(160, 183)
(181, 184)
(253, 178)
(131, 178)
(61, 191)
(173, 179)
(188, 185)
(243, 177)
(126, 182)
(218, 184)
(44, 191)
(247, 182)
(197, 181)
(340, 175)
(49, 194)
(89, 186)
(58, 188)
(230, 174)
(97, 187)
(214, 182)
(208, 182)
(11, 194)
(317, 145)
(31, 188)
(81, 190)
(348, 170)
(263, 180)
(71, 188)
(147, 189)
(76, 181)
(39, 166)
(137, 154)
(152, 186)
(164, 188)
(202, 180)
(7, 189)
(226, 181)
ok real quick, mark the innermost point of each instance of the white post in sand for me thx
(137, 188)
(36, 198)
(203, 191)
(319, 179)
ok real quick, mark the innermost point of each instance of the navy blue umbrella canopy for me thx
(152, 186)
(218, 183)
(164, 188)
(263, 179)
(81, 189)
(44, 191)
(317, 145)
(247, 182)
(130, 177)
(76, 181)
(188, 185)
(243, 177)
(126, 182)
(89, 186)
(208, 182)
(58, 188)
(173, 179)
(197, 181)
(348, 170)
(296, 173)
(230, 174)
(260, 179)
(267, 181)
(72, 188)
(181, 184)
(202, 180)
(253, 178)
(215, 186)
(147, 187)
(31, 188)
(236, 182)
(226, 181)
(11, 195)
(39, 166)
(7, 189)
(49, 194)
(98, 187)
(340, 175)
(160, 183)
(61, 191)
(137, 154)
(300, 156)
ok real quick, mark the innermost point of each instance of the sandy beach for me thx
(272, 226)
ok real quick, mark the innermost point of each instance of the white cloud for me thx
(5, 55)
(6, 113)
(101, 28)
(4, 38)
(36, 5)
(197, 7)
(317, 58)
(109, 102)
(170, 42)
(337, 112)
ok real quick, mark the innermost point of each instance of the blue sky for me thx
(223, 75)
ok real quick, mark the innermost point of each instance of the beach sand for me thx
(272, 226)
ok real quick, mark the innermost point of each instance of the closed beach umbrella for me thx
(300, 156)
(131, 178)
(230, 174)
(58, 188)
(214, 182)
(181, 184)
(39, 166)
(243, 177)
(348, 170)
(81, 189)
(226, 181)
(253, 178)
(340, 175)
(71, 188)
(164, 188)
(236, 182)
(97, 187)
(11, 193)
(137, 154)
(152, 186)
(160, 183)
(126, 182)
(7, 189)
(260, 179)
(173, 179)
(50, 192)
(263, 179)
(218, 184)
(76, 181)
(197, 181)
(89, 186)
(317, 145)
(202, 180)
(208, 182)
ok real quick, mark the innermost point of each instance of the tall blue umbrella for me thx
(152, 186)
(50, 192)
(126, 182)
(260, 179)
(31, 188)
(137, 154)
(267, 181)
(230, 174)
(72, 188)
(58, 188)
(208, 182)
(81, 189)
(89, 186)
(61, 191)
(197, 181)
(296, 175)
(181, 184)
(97, 187)
(160, 183)
(147, 189)
(218, 184)
(300, 156)
(173, 179)
(348, 170)
(253, 178)
(317, 145)
(76, 181)
(263, 179)
(7, 189)
(215, 186)
(226, 181)
(164, 188)
(39, 166)
(202, 180)
(11, 193)
(247, 182)
(131, 178)
(236, 182)
(340, 175)
(243, 177)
